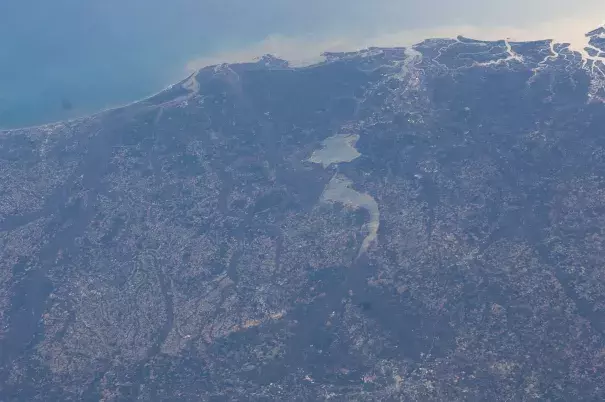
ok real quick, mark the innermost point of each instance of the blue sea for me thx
(65, 58)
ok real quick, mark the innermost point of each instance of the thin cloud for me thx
(304, 50)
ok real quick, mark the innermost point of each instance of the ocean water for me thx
(31, 97)
(65, 58)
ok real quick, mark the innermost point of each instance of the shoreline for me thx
(102, 111)
(310, 52)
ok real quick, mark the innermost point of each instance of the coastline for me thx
(306, 51)
(99, 112)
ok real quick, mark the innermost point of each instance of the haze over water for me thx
(66, 58)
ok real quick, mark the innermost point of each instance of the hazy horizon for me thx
(95, 55)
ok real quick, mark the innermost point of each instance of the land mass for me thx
(418, 223)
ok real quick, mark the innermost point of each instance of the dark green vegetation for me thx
(180, 248)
